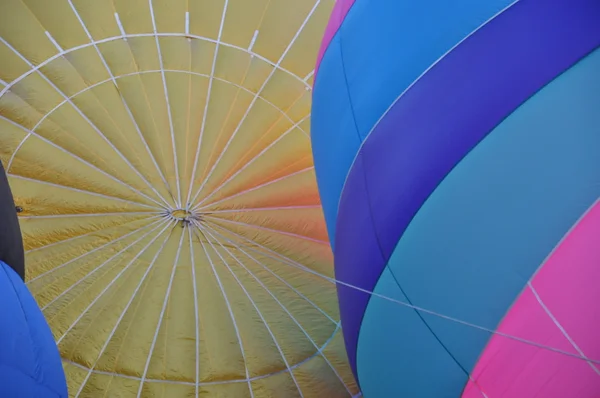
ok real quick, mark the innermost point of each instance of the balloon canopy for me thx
(457, 149)
(159, 153)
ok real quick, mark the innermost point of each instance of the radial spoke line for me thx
(29, 132)
(230, 310)
(238, 86)
(125, 37)
(116, 278)
(262, 318)
(94, 127)
(88, 234)
(433, 313)
(278, 256)
(135, 292)
(58, 47)
(78, 215)
(253, 209)
(290, 234)
(319, 349)
(162, 315)
(250, 162)
(137, 230)
(255, 188)
(19, 177)
(282, 306)
(226, 121)
(164, 80)
(207, 227)
(208, 383)
(142, 72)
(120, 25)
(14, 154)
(204, 116)
(112, 77)
(47, 141)
(194, 283)
(104, 264)
(310, 74)
(250, 106)
(149, 106)
(268, 131)
(92, 251)
(160, 173)
(188, 114)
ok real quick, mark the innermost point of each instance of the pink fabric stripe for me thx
(338, 14)
(568, 287)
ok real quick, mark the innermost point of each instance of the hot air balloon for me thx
(159, 152)
(457, 151)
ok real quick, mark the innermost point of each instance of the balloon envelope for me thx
(457, 152)
(174, 236)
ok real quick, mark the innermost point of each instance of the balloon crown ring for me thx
(185, 217)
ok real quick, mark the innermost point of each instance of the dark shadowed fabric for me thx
(11, 243)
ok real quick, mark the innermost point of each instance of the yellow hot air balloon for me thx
(159, 154)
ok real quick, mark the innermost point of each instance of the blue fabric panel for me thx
(439, 120)
(334, 137)
(386, 45)
(399, 357)
(30, 364)
(490, 224)
(380, 49)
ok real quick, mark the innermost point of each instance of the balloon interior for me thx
(159, 157)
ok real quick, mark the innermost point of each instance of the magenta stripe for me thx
(339, 12)
(559, 309)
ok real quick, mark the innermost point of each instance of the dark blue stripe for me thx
(438, 121)
(473, 245)
(379, 50)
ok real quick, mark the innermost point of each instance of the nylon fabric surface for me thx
(573, 269)
(11, 246)
(377, 52)
(491, 270)
(385, 206)
(453, 166)
(172, 225)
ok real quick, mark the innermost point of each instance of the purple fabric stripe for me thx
(437, 122)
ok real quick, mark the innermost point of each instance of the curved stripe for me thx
(476, 241)
(394, 336)
(379, 50)
(339, 12)
(429, 131)
(560, 310)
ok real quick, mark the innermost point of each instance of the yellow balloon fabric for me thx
(174, 237)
